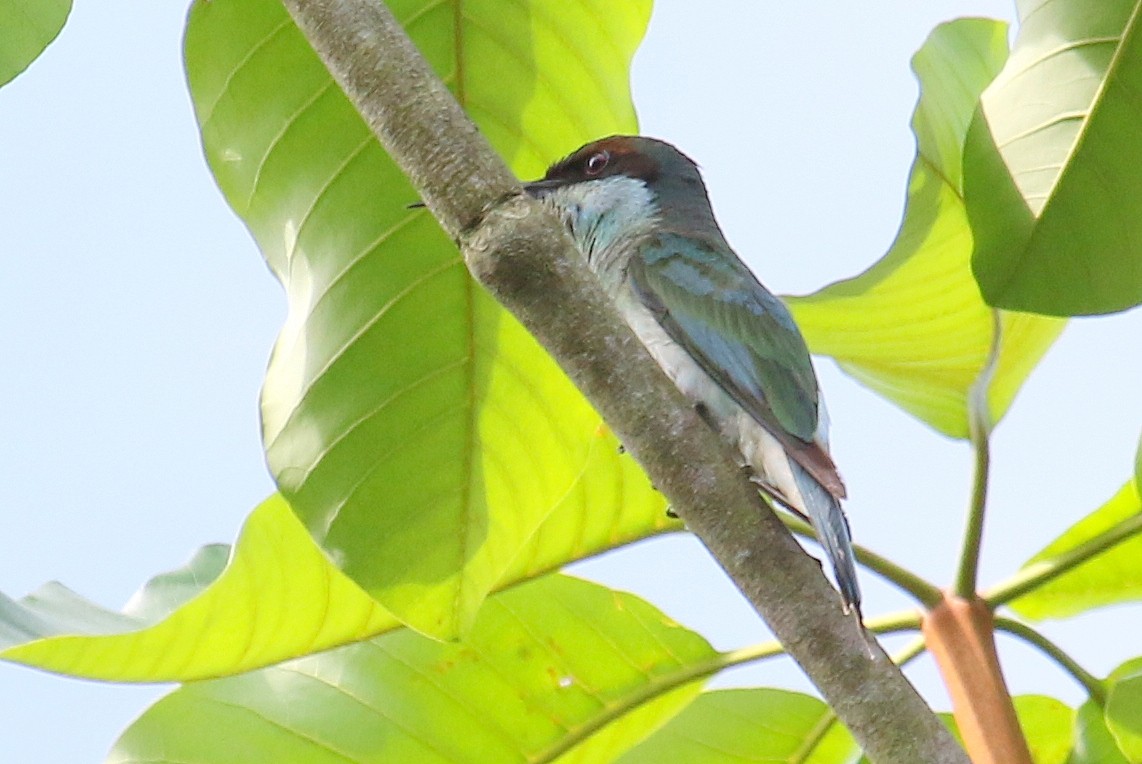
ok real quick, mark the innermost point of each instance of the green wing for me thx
(740, 334)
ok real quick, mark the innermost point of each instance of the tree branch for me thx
(520, 253)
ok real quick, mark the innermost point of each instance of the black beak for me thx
(539, 188)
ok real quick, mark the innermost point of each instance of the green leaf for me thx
(1093, 742)
(914, 327)
(1052, 165)
(55, 610)
(199, 618)
(26, 29)
(749, 726)
(201, 621)
(1111, 577)
(1124, 713)
(550, 667)
(1048, 725)
(419, 432)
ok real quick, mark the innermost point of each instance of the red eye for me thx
(597, 162)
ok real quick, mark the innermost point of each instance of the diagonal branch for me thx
(520, 253)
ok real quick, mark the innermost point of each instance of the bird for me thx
(639, 212)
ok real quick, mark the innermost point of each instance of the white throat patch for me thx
(608, 218)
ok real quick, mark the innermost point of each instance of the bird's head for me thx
(653, 163)
(622, 187)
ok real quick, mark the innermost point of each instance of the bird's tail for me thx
(832, 528)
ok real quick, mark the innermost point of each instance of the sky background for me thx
(136, 319)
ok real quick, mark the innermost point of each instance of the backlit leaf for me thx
(1048, 726)
(277, 598)
(419, 432)
(756, 726)
(199, 622)
(1108, 578)
(549, 668)
(914, 327)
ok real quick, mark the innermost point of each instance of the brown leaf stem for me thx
(960, 634)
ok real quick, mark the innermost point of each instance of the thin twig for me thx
(979, 427)
(1039, 573)
(1094, 686)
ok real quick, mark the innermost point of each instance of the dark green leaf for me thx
(1124, 713)
(1093, 742)
(26, 28)
(1053, 167)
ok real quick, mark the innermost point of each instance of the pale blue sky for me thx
(136, 318)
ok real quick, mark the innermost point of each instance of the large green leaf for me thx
(26, 28)
(914, 327)
(756, 726)
(1053, 169)
(415, 427)
(1108, 578)
(198, 621)
(550, 668)
(764, 726)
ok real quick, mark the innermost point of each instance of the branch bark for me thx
(520, 253)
